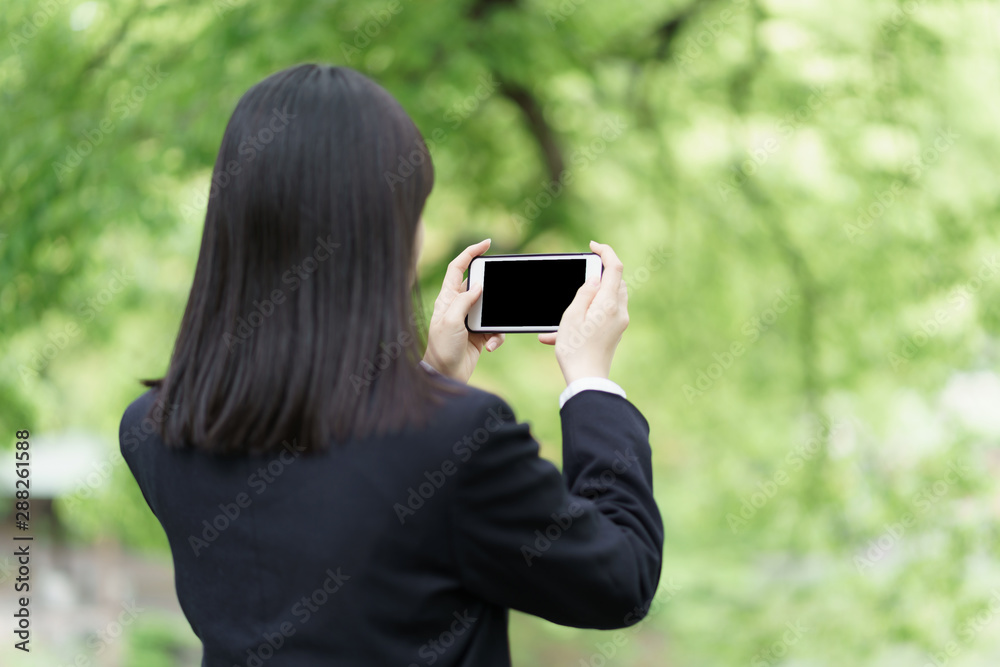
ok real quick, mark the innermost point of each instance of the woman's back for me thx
(406, 548)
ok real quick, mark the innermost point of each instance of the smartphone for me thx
(527, 293)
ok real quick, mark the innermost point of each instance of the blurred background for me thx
(805, 196)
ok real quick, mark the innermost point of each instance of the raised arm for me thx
(582, 548)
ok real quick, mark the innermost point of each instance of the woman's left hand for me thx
(452, 349)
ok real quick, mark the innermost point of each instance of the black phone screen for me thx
(530, 293)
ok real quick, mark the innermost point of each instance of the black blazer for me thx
(407, 550)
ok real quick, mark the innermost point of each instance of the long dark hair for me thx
(301, 323)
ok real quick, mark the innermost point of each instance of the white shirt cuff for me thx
(428, 366)
(583, 384)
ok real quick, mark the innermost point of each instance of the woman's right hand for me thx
(594, 322)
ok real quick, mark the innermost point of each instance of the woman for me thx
(329, 496)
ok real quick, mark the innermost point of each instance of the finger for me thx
(613, 269)
(623, 300)
(581, 302)
(547, 338)
(494, 342)
(459, 308)
(446, 296)
(458, 266)
(479, 340)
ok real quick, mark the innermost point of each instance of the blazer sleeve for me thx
(581, 548)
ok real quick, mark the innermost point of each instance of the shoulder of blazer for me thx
(137, 421)
(472, 409)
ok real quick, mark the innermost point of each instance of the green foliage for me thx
(159, 641)
(804, 197)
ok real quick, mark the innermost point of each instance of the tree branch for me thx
(543, 133)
